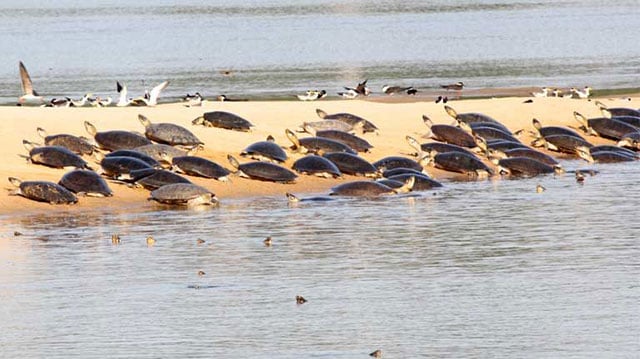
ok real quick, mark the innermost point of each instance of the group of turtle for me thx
(159, 159)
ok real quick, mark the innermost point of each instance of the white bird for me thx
(151, 98)
(350, 94)
(29, 95)
(122, 90)
(193, 100)
(82, 101)
(59, 102)
(543, 93)
(99, 102)
(582, 94)
(312, 95)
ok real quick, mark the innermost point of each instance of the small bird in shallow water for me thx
(267, 242)
(150, 241)
(376, 354)
(579, 177)
(201, 273)
(540, 189)
(300, 299)
(115, 238)
(200, 241)
(458, 86)
(17, 234)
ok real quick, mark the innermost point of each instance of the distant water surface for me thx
(478, 269)
(279, 48)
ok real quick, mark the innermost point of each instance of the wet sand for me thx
(396, 119)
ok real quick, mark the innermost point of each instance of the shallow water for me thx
(477, 269)
(279, 48)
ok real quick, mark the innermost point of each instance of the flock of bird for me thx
(30, 97)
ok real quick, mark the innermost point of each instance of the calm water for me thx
(478, 269)
(278, 48)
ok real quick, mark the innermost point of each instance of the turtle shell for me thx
(43, 191)
(222, 119)
(198, 166)
(183, 194)
(312, 164)
(268, 149)
(171, 134)
(266, 171)
(87, 182)
(56, 156)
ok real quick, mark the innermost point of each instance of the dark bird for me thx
(391, 90)
(300, 299)
(376, 354)
(457, 86)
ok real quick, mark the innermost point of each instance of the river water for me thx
(277, 48)
(477, 269)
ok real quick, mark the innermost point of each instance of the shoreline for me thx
(396, 119)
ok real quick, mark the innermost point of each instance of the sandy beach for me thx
(395, 119)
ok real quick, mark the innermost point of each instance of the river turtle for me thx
(617, 111)
(352, 164)
(326, 125)
(525, 166)
(459, 162)
(369, 189)
(438, 147)
(42, 191)
(222, 119)
(611, 148)
(488, 133)
(469, 117)
(541, 131)
(562, 143)
(198, 166)
(184, 194)
(316, 165)
(449, 134)
(422, 181)
(54, 156)
(605, 127)
(121, 167)
(136, 154)
(265, 151)
(351, 119)
(316, 144)
(86, 183)
(152, 178)
(390, 162)
(525, 152)
(503, 145)
(156, 151)
(264, 171)
(603, 156)
(169, 133)
(495, 125)
(353, 141)
(116, 139)
(400, 170)
(75, 144)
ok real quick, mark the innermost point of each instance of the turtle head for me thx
(407, 187)
(415, 145)
(294, 139)
(144, 120)
(198, 121)
(465, 127)
(450, 111)
(91, 129)
(321, 113)
(628, 142)
(584, 153)
(291, 198)
(558, 169)
(496, 155)
(536, 124)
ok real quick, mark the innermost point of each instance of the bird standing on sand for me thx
(312, 95)
(29, 95)
(193, 100)
(392, 90)
(360, 90)
(458, 86)
(543, 93)
(582, 94)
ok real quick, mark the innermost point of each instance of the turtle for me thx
(293, 199)
(222, 119)
(353, 141)
(390, 162)
(351, 119)
(400, 170)
(525, 166)
(526, 152)
(316, 165)
(438, 147)
(75, 144)
(541, 131)
(54, 156)
(617, 111)
(603, 156)
(87, 183)
(605, 127)
(265, 150)
(390, 183)
(422, 182)
(316, 144)
(136, 154)
(156, 151)
(562, 143)
(42, 191)
(503, 145)
(629, 120)
(264, 171)
(459, 162)
(369, 189)
(121, 167)
(621, 150)
(152, 178)
(198, 166)
(326, 125)
(488, 133)
(352, 164)
(184, 194)
(169, 133)
(495, 125)
(116, 139)
(449, 134)
(469, 117)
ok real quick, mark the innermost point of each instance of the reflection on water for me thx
(478, 269)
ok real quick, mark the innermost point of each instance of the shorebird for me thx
(300, 299)
(122, 90)
(312, 95)
(150, 98)
(99, 102)
(82, 101)
(350, 94)
(582, 94)
(543, 93)
(29, 95)
(224, 97)
(193, 100)
(391, 90)
(361, 89)
(456, 86)
(540, 188)
(376, 354)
